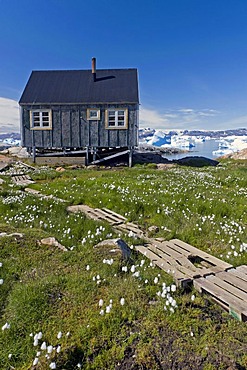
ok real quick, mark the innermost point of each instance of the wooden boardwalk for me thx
(22, 179)
(188, 265)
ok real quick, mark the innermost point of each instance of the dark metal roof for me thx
(79, 86)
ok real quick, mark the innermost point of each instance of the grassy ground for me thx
(91, 311)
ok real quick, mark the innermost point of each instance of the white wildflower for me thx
(59, 335)
(43, 346)
(35, 361)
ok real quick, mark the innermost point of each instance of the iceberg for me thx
(230, 144)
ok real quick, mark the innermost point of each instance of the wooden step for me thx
(228, 289)
(190, 251)
(180, 278)
(22, 179)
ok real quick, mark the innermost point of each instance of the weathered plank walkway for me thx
(188, 265)
(22, 179)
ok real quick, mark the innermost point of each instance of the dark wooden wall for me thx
(71, 129)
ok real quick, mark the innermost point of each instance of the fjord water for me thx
(202, 149)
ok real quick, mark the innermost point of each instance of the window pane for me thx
(111, 113)
(121, 113)
(93, 113)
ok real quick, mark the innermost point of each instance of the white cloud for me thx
(9, 116)
(182, 118)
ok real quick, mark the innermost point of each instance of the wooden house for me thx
(76, 110)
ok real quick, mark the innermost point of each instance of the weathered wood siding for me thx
(71, 129)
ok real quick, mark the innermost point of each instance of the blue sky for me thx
(191, 55)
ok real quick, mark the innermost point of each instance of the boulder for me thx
(115, 246)
(165, 166)
(196, 161)
(52, 242)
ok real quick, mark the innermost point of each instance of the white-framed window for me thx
(41, 119)
(93, 114)
(116, 118)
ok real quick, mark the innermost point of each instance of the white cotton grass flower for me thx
(1, 281)
(133, 268)
(52, 365)
(156, 280)
(35, 361)
(59, 335)
(101, 312)
(6, 326)
(122, 301)
(108, 309)
(36, 342)
(1, 264)
(43, 346)
(39, 335)
(192, 297)
(101, 302)
(173, 288)
(10, 355)
(49, 349)
(58, 349)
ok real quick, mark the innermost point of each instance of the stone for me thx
(117, 245)
(153, 229)
(60, 169)
(165, 166)
(15, 235)
(51, 241)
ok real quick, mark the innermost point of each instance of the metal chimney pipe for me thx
(94, 68)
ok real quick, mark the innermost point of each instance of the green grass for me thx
(47, 290)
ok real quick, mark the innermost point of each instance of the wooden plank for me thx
(234, 279)
(228, 287)
(243, 269)
(234, 305)
(189, 249)
(110, 157)
(183, 260)
(114, 213)
(108, 217)
(180, 278)
(239, 274)
(168, 249)
(174, 264)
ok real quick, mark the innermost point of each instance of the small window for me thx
(117, 118)
(93, 114)
(40, 119)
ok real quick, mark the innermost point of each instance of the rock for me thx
(23, 153)
(51, 241)
(18, 151)
(165, 166)
(117, 245)
(242, 154)
(148, 157)
(16, 235)
(196, 161)
(153, 229)
(92, 167)
(60, 169)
